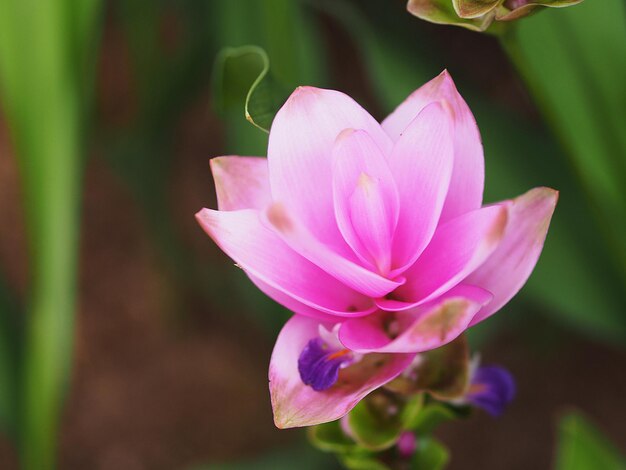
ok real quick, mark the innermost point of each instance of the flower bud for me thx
(478, 15)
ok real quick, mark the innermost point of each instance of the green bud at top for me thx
(478, 15)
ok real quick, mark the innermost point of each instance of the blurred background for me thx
(129, 341)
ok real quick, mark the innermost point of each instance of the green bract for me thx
(478, 15)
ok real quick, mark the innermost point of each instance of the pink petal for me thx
(296, 404)
(365, 197)
(508, 268)
(348, 272)
(241, 182)
(466, 187)
(262, 254)
(456, 250)
(300, 155)
(309, 309)
(421, 164)
(424, 328)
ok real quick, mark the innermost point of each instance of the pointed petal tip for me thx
(201, 216)
(221, 163)
(542, 196)
(548, 193)
(446, 77)
(303, 92)
(216, 162)
(444, 80)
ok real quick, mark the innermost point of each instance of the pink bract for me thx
(379, 228)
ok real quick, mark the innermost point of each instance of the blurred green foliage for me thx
(574, 62)
(582, 447)
(46, 96)
(581, 93)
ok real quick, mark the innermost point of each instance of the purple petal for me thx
(492, 389)
(319, 365)
(295, 404)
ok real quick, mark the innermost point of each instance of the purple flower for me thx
(492, 388)
(319, 364)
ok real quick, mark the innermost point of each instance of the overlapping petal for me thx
(262, 254)
(515, 9)
(421, 164)
(300, 155)
(295, 404)
(443, 12)
(456, 250)
(465, 192)
(365, 198)
(342, 268)
(474, 8)
(420, 329)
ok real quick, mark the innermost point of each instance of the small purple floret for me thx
(492, 389)
(319, 365)
(407, 443)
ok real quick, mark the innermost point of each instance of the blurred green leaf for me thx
(376, 421)
(574, 62)
(576, 277)
(442, 372)
(243, 81)
(582, 447)
(430, 417)
(296, 61)
(575, 274)
(362, 462)
(430, 455)
(329, 437)
(45, 95)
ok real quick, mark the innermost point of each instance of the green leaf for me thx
(376, 422)
(582, 447)
(430, 455)
(46, 98)
(442, 372)
(296, 61)
(505, 14)
(243, 82)
(329, 437)
(574, 62)
(577, 272)
(430, 417)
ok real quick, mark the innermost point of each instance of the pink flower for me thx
(374, 235)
